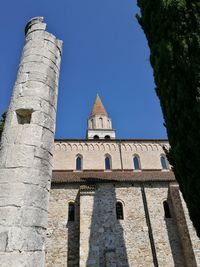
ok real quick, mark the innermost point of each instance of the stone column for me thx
(26, 150)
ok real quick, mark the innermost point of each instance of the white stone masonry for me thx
(26, 150)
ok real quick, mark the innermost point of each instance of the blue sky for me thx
(105, 52)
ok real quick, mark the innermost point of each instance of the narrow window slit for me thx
(136, 162)
(107, 163)
(163, 162)
(119, 211)
(71, 212)
(79, 163)
(166, 209)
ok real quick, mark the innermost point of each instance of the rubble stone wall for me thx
(99, 239)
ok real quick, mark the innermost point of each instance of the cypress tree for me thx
(172, 29)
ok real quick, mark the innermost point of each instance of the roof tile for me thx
(61, 176)
(98, 108)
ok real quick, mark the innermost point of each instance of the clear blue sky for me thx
(105, 52)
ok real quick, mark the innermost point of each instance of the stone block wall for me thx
(164, 230)
(62, 246)
(187, 248)
(102, 240)
(195, 241)
(26, 152)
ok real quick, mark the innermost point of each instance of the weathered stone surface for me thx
(22, 259)
(3, 240)
(100, 233)
(26, 150)
(35, 176)
(167, 243)
(62, 247)
(19, 156)
(97, 238)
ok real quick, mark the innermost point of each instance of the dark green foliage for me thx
(2, 121)
(172, 28)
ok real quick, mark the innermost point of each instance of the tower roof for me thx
(98, 108)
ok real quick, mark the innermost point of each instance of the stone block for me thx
(50, 37)
(43, 120)
(21, 259)
(34, 217)
(47, 137)
(12, 195)
(19, 155)
(28, 102)
(26, 239)
(43, 154)
(30, 135)
(10, 215)
(32, 58)
(36, 196)
(3, 240)
(32, 44)
(39, 163)
(21, 78)
(20, 194)
(37, 27)
(40, 176)
(3, 156)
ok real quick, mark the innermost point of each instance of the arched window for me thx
(107, 162)
(71, 212)
(119, 211)
(96, 137)
(166, 209)
(136, 162)
(100, 122)
(92, 123)
(107, 137)
(163, 162)
(78, 163)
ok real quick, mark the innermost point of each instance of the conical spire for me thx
(98, 108)
(99, 124)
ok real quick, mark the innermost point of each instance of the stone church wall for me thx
(104, 240)
(62, 234)
(193, 236)
(124, 241)
(167, 243)
(93, 154)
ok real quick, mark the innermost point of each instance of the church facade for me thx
(116, 203)
(112, 202)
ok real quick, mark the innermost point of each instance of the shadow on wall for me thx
(73, 228)
(172, 230)
(106, 238)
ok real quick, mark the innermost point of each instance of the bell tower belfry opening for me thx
(99, 124)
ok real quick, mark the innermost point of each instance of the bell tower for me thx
(99, 124)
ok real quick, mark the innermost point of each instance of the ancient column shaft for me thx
(26, 150)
